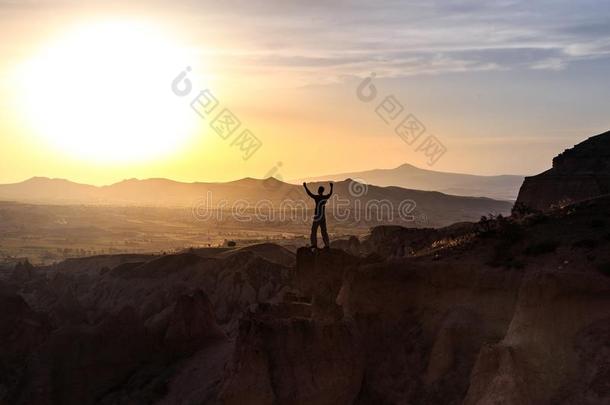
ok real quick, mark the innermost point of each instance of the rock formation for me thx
(578, 174)
(510, 310)
(129, 334)
(22, 331)
(445, 324)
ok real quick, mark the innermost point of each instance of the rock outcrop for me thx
(449, 324)
(22, 331)
(578, 174)
(189, 323)
(130, 334)
(294, 361)
(121, 359)
(510, 310)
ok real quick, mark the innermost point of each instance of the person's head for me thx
(320, 190)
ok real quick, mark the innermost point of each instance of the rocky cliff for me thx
(516, 313)
(114, 330)
(509, 310)
(577, 174)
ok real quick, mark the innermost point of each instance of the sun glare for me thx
(102, 92)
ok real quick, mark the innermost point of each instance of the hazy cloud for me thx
(319, 39)
(417, 37)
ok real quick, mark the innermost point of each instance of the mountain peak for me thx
(127, 181)
(408, 166)
(272, 180)
(504, 187)
(46, 180)
(38, 179)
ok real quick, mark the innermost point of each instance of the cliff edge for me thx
(579, 173)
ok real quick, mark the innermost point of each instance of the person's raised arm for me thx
(331, 190)
(307, 190)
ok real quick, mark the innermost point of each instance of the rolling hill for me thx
(430, 208)
(504, 187)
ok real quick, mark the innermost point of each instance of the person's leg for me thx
(324, 233)
(314, 232)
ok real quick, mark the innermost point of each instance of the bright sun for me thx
(102, 93)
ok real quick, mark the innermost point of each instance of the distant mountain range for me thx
(504, 187)
(438, 208)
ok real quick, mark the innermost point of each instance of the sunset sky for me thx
(86, 86)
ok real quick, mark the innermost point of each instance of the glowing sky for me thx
(504, 85)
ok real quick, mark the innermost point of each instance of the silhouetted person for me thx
(319, 218)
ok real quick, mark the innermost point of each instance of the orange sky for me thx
(502, 95)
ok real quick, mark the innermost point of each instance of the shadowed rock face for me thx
(294, 361)
(578, 174)
(511, 311)
(441, 326)
(111, 361)
(132, 334)
(21, 332)
(190, 323)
